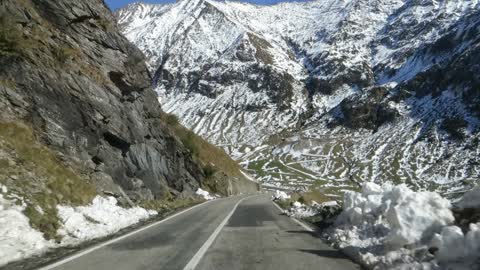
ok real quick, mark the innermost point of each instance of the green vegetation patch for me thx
(209, 170)
(212, 159)
(12, 43)
(8, 83)
(65, 53)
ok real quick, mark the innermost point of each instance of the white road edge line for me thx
(71, 258)
(305, 226)
(201, 252)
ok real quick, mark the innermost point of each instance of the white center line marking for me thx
(71, 258)
(201, 252)
(305, 226)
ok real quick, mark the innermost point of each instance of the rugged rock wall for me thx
(84, 89)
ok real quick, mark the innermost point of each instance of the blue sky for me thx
(114, 4)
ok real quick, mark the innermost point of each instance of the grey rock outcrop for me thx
(68, 72)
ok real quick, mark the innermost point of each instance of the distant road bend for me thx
(247, 233)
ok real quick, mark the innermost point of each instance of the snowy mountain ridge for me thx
(199, 46)
(342, 91)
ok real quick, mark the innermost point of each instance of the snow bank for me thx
(300, 210)
(456, 250)
(325, 204)
(410, 216)
(204, 194)
(280, 196)
(101, 218)
(379, 222)
(17, 239)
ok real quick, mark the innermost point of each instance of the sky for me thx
(114, 4)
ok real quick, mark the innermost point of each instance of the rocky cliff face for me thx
(352, 91)
(86, 93)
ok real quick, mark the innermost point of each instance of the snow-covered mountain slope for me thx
(227, 83)
(341, 91)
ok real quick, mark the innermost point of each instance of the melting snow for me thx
(456, 250)
(392, 227)
(300, 210)
(101, 218)
(204, 194)
(280, 195)
(18, 240)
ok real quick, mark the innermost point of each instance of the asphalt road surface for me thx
(227, 234)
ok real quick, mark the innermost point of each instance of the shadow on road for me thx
(314, 233)
(325, 253)
(243, 214)
(329, 253)
(144, 242)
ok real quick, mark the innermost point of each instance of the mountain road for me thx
(236, 233)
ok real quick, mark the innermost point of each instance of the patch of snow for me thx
(205, 194)
(325, 204)
(101, 218)
(379, 222)
(17, 239)
(280, 196)
(414, 215)
(39, 209)
(300, 210)
(456, 250)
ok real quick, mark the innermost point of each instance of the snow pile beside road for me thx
(300, 210)
(377, 224)
(456, 250)
(280, 196)
(101, 218)
(204, 194)
(17, 239)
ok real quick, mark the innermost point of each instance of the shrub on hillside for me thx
(188, 141)
(209, 170)
(10, 41)
(171, 119)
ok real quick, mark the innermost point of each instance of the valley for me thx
(323, 93)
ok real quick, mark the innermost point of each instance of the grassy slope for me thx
(31, 171)
(217, 165)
